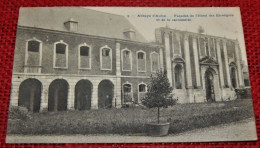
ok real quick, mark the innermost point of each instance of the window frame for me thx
(54, 55)
(27, 52)
(130, 92)
(138, 95)
(151, 62)
(180, 75)
(122, 59)
(89, 55)
(141, 51)
(110, 54)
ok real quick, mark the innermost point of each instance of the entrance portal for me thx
(83, 93)
(209, 86)
(105, 94)
(233, 77)
(30, 94)
(58, 95)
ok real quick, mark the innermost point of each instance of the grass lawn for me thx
(182, 117)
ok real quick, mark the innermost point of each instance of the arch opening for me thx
(30, 94)
(209, 86)
(178, 77)
(58, 95)
(83, 93)
(233, 77)
(105, 94)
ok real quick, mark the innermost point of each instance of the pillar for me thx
(168, 57)
(44, 96)
(117, 98)
(161, 59)
(239, 69)
(220, 68)
(94, 96)
(71, 96)
(196, 61)
(187, 61)
(226, 63)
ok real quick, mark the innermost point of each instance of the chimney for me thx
(71, 25)
(129, 34)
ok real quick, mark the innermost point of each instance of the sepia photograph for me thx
(130, 75)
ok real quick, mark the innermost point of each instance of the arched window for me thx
(84, 57)
(233, 77)
(142, 89)
(202, 47)
(60, 55)
(126, 60)
(106, 58)
(33, 56)
(127, 92)
(154, 61)
(212, 47)
(141, 61)
(178, 76)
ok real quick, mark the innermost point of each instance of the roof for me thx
(90, 22)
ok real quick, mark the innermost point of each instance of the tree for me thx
(159, 93)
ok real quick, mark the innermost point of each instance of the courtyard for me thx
(130, 121)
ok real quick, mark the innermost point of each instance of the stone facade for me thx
(57, 69)
(46, 73)
(204, 60)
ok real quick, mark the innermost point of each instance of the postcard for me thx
(130, 75)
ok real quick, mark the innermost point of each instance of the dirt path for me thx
(238, 131)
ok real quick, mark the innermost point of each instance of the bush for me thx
(18, 112)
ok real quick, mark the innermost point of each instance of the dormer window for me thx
(71, 25)
(129, 34)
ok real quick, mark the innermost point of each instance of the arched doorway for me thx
(58, 95)
(30, 94)
(178, 77)
(83, 93)
(233, 77)
(209, 86)
(105, 94)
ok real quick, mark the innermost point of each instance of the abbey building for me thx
(77, 58)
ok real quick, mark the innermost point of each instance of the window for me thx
(141, 91)
(105, 52)
(126, 60)
(178, 77)
(127, 92)
(33, 53)
(33, 56)
(142, 88)
(105, 58)
(154, 61)
(141, 61)
(84, 56)
(140, 55)
(60, 55)
(202, 47)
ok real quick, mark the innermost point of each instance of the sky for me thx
(227, 24)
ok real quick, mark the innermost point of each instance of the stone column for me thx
(45, 95)
(226, 63)
(239, 69)
(168, 57)
(187, 61)
(220, 68)
(71, 96)
(196, 61)
(15, 90)
(94, 96)
(161, 59)
(117, 98)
